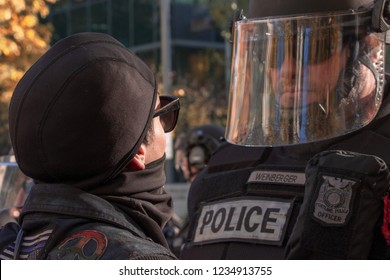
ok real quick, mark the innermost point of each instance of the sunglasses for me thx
(168, 112)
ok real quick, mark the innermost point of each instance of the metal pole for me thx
(166, 69)
(166, 64)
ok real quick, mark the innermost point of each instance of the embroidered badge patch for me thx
(84, 245)
(333, 203)
(257, 220)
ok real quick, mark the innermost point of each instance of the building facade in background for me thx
(197, 48)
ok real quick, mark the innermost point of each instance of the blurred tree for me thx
(203, 93)
(202, 90)
(222, 12)
(23, 39)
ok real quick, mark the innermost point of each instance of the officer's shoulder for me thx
(372, 139)
(230, 156)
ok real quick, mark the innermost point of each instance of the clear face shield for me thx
(304, 78)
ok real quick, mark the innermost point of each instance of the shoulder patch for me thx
(84, 245)
(333, 203)
(246, 219)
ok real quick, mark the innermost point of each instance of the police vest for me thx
(251, 212)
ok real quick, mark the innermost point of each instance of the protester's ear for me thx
(138, 161)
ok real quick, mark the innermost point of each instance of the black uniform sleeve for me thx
(342, 212)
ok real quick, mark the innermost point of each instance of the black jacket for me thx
(60, 222)
(224, 199)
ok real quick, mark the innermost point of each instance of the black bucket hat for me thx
(81, 112)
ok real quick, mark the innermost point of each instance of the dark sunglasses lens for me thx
(168, 120)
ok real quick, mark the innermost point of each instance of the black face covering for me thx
(141, 195)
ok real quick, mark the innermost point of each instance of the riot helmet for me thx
(305, 71)
(194, 149)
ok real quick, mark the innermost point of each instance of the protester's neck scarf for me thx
(141, 195)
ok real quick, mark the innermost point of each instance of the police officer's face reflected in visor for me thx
(322, 78)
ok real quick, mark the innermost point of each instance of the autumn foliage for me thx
(23, 39)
